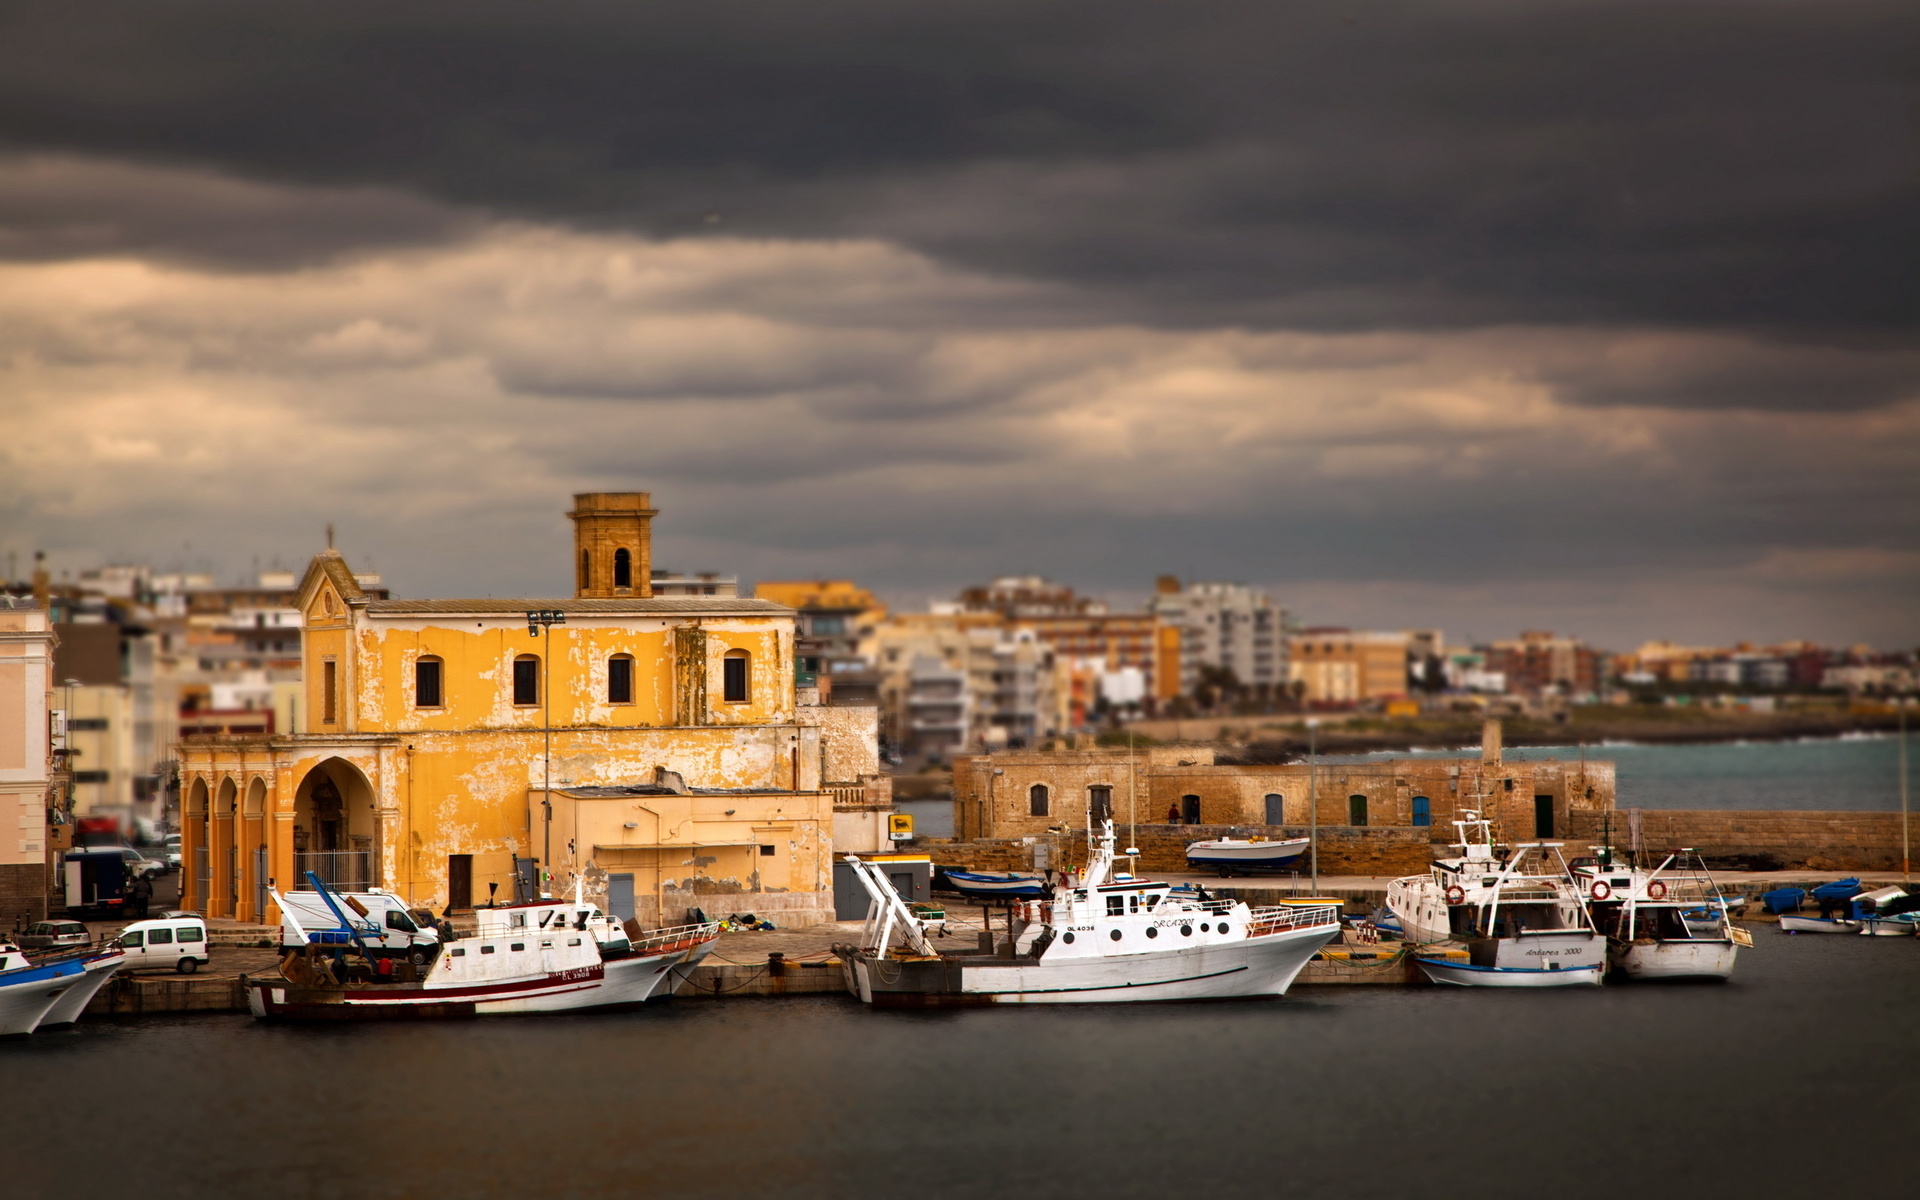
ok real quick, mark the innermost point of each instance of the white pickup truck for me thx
(379, 917)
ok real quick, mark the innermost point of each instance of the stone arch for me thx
(335, 832)
(250, 845)
(224, 850)
(194, 856)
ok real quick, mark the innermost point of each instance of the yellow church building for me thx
(462, 751)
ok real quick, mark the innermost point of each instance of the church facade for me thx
(458, 752)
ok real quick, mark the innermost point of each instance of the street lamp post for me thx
(540, 622)
(1313, 802)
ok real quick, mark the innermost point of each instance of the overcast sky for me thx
(1575, 314)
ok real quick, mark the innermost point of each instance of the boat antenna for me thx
(1133, 812)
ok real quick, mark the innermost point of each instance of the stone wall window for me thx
(526, 680)
(1422, 811)
(620, 678)
(1276, 809)
(1100, 799)
(735, 677)
(1037, 805)
(426, 682)
(1356, 810)
(586, 572)
(622, 569)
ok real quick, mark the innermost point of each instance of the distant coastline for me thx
(1280, 739)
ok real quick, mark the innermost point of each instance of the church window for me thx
(329, 692)
(622, 569)
(735, 682)
(526, 680)
(586, 577)
(620, 678)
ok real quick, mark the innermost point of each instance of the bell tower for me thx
(612, 545)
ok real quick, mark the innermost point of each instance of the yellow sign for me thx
(900, 827)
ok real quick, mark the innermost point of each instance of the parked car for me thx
(171, 852)
(176, 942)
(54, 935)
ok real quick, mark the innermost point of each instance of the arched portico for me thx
(194, 858)
(220, 846)
(251, 842)
(335, 832)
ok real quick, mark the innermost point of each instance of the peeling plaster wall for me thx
(676, 672)
(849, 740)
(733, 853)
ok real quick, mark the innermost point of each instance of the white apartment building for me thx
(1226, 625)
(953, 684)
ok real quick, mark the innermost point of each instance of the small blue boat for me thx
(992, 885)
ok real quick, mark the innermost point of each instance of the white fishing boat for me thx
(99, 966)
(1101, 939)
(538, 957)
(1795, 923)
(1897, 925)
(1887, 912)
(1666, 923)
(1229, 855)
(1520, 925)
(29, 989)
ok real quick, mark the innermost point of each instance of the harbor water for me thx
(1798, 1078)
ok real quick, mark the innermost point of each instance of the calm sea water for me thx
(1857, 774)
(1800, 1078)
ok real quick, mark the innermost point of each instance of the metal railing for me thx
(1278, 917)
(342, 870)
(675, 935)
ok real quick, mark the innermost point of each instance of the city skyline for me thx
(1592, 317)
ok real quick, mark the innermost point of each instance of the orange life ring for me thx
(1599, 890)
(1456, 894)
(1656, 890)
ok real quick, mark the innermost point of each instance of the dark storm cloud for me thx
(54, 207)
(1334, 164)
(1696, 372)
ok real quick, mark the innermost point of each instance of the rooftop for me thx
(661, 789)
(710, 605)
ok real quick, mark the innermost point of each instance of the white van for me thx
(379, 917)
(176, 942)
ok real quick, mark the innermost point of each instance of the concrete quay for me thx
(799, 961)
